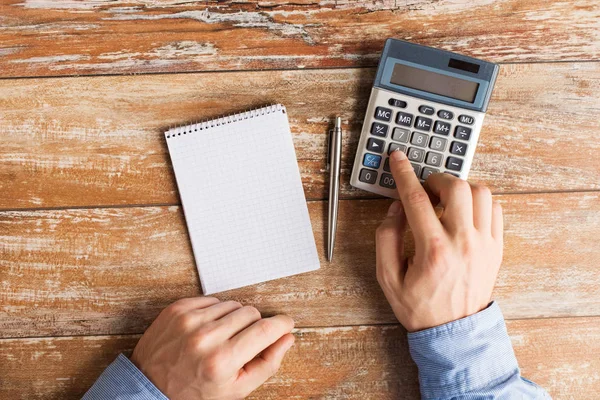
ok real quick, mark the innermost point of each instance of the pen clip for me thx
(329, 140)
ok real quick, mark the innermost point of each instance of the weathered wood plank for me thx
(97, 141)
(42, 38)
(367, 362)
(101, 271)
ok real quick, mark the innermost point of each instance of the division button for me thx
(462, 132)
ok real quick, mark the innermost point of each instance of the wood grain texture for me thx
(368, 362)
(97, 141)
(63, 37)
(110, 271)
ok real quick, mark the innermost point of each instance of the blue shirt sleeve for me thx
(471, 358)
(123, 381)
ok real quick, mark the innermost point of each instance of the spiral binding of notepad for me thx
(227, 119)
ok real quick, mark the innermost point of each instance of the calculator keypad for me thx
(434, 140)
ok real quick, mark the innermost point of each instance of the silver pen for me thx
(334, 161)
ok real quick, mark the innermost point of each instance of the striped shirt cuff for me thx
(464, 355)
(123, 381)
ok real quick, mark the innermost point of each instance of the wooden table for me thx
(92, 238)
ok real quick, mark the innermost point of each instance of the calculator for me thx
(427, 103)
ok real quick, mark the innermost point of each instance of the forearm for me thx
(470, 358)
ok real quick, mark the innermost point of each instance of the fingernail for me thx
(394, 209)
(398, 155)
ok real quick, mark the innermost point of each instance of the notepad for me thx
(243, 200)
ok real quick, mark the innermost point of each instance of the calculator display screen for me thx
(431, 82)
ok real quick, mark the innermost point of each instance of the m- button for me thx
(383, 114)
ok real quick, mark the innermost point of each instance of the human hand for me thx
(457, 257)
(201, 348)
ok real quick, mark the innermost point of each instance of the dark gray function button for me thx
(434, 159)
(419, 139)
(387, 181)
(466, 119)
(415, 154)
(400, 135)
(416, 168)
(383, 114)
(454, 164)
(378, 129)
(397, 103)
(445, 114)
(395, 146)
(423, 123)
(404, 119)
(437, 143)
(386, 165)
(367, 176)
(426, 110)
(428, 171)
(371, 160)
(375, 145)
(462, 132)
(442, 128)
(458, 148)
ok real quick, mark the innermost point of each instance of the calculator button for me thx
(419, 139)
(416, 154)
(434, 159)
(416, 168)
(387, 181)
(443, 128)
(367, 176)
(386, 165)
(383, 114)
(395, 146)
(428, 171)
(397, 103)
(454, 164)
(458, 148)
(375, 145)
(466, 119)
(378, 129)
(423, 123)
(426, 110)
(371, 160)
(445, 114)
(462, 132)
(404, 119)
(400, 135)
(437, 143)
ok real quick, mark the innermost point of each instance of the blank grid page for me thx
(243, 200)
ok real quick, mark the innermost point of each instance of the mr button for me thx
(383, 114)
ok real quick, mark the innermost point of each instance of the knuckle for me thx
(265, 327)
(437, 251)
(214, 366)
(481, 191)
(459, 186)
(417, 198)
(387, 278)
(233, 304)
(384, 231)
(184, 322)
(252, 312)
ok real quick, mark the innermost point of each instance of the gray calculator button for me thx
(397, 103)
(419, 139)
(367, 176)
(423, 123)
(387, 181)
(445, 114)
(404, 119)
(400, 135)
(375, 145)
(416, 168)
(386, 165)
(466, 119)
(462, 133)
(454, 164)
(434, 159)
(426, 110)
(416, 154)
(372, 160)
(383, 114)
(437, 143)
(442, 128)
(458, 148)
(428, 171)
(378, 129)
(395, 146)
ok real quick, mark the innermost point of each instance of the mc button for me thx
(383, 114)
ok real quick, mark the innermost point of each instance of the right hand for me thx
(201, 348)
(457, 256)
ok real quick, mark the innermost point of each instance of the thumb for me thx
(389, 239)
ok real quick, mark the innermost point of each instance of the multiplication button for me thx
(378, 129)
(460, 149)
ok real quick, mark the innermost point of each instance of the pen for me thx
(335, 156)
